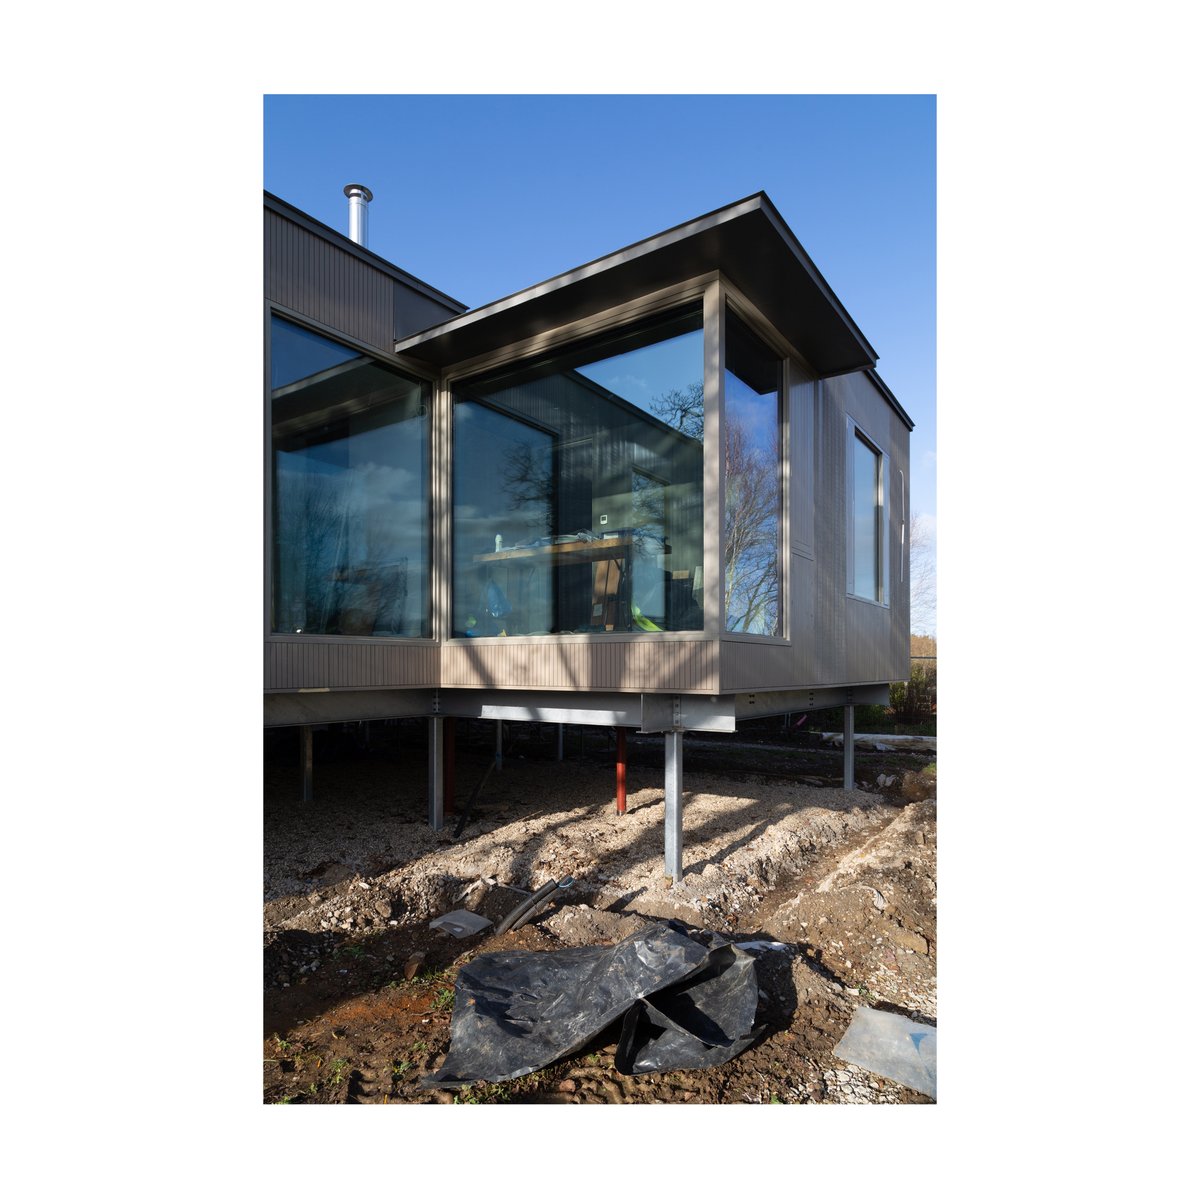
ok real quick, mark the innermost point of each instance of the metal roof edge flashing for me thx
(747, 242)
(593, 267)
(885, 391)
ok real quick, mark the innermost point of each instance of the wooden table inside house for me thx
(610, 588)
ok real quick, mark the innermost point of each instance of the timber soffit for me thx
(329, 234)
(748, 242)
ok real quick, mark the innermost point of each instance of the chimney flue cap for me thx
(360, 189)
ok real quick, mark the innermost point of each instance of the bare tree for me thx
(751, 530)
(682, 409)
(529, 484)
(922, 576)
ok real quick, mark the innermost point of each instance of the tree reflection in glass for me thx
(752, 483)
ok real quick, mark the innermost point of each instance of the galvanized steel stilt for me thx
(437, 813)
(673, 786)
(499, 745)
(559, 755)
(848, 747)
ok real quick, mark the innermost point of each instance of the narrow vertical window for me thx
(867, 500)
(753, 488)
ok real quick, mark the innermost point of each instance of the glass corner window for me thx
(578, 484)
(753, 484)
(350, 439)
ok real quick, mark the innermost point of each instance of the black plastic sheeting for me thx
(683, 1003)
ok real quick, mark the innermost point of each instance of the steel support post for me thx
(673, 786)
(848, 747)
(306, 794)
(559, 756)
(448, 764)
(621, 750)
(437, 813)
(499, 745)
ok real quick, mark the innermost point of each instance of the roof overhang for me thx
(748, 243)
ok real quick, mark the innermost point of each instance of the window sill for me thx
(864, 600)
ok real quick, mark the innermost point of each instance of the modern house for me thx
(664, 491)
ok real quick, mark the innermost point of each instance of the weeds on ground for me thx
(443, 1000)
(483, 1093)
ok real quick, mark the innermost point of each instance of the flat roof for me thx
(748, 242)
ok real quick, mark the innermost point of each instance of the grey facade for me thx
(832, 551)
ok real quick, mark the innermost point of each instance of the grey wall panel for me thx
(804, 621)
(310, 275)
(828, 633)
(877, 639)
(801, 414)
(293, 664)
(643, 665)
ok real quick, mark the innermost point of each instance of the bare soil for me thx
(773, 850)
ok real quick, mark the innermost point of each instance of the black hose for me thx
(527, 906)
(466, 813)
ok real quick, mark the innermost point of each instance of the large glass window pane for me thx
(578, 488)
(867, 520)
(753, 493)
(350, 440)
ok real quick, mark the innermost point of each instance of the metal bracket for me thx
(664, 714)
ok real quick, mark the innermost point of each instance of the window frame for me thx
(771, 341)
(611, 322)
(403, 367)
(732, 301)
(856, 433)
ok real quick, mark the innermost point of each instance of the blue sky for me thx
(481, 196)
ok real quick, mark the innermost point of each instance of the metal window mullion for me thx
(714, 459)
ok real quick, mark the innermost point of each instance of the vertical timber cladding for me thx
(312, 276)
(348, 665)
(646, 664)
